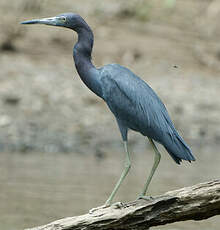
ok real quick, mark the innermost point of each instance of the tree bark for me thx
(198, 202)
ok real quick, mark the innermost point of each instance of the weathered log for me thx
(198, 202)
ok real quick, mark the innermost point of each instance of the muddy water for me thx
(37, 188)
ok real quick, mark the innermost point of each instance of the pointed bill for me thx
(47, 21)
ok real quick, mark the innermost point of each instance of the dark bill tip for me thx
(35, 21)
(46, 21)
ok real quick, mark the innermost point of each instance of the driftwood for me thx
(198, 202)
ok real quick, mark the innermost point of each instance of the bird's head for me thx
(68, 20)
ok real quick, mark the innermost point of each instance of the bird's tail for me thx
(178, 149)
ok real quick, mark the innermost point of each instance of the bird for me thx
(132, 101)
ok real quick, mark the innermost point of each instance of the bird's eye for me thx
(63, 19)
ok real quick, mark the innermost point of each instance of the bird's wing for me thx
(135, 103)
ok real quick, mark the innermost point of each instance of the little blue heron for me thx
(132, 101)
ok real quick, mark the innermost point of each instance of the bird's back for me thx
(137, 106)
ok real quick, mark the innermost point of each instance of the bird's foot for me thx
(142, 197)
(91, 211)
(116, 205)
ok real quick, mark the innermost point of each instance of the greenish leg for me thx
(156, 163)
(123, 175)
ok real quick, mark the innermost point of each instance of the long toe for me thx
(118, 205)
(91, 211)
(148, 198)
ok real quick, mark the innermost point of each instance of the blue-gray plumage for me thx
(136, 106)
(132, 101)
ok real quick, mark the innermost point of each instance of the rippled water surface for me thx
(37, 188)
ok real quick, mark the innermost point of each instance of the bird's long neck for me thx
(82, 52)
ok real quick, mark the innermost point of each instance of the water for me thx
(37, 188)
